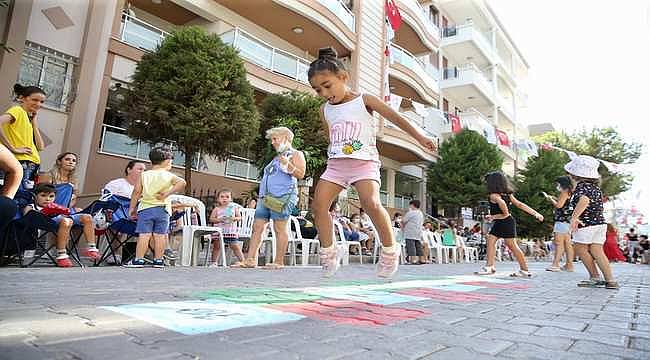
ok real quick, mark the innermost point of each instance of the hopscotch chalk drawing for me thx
(361, 303)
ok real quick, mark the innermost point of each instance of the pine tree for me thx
(456, 180)
(193, 91)
(540, 175)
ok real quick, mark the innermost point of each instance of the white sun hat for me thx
(583, 166)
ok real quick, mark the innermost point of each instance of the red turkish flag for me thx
(455, 124)
(503, 137)
(393, 14)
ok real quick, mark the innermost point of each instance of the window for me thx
(241, 167)
(407, 188)
(50, 70)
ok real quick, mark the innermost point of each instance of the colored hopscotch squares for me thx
(363, 303)
(259, 296)
(201, 317)
(360, 294)
(352, 312)
(449, 296)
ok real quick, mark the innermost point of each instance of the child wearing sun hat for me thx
(588, 222)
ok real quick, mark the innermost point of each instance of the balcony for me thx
(266, 56)
(306, 24)
(338, 8)
(468, 84)
(412, 72)
(140, 34)
(395, 141)
(421, 34)
(506, 108)
(466, 41)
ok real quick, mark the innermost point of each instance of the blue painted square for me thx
(362, 295)
(200, 317)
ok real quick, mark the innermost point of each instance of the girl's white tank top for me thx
(352, 131)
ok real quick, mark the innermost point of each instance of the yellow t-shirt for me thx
(153, 182)
(21, 133)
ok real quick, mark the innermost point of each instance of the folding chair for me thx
(30, 232)
(120, 223)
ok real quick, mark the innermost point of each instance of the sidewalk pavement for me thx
(426, 312)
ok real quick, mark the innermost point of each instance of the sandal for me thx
(591, 283)
(273, 266)
(486, 270)
(522, 274)
(613, 285)
(554, 269)
(246, 264)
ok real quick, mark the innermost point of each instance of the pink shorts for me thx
(345, 172)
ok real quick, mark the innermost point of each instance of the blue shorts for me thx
(562, 228)
(76, 218)
(153, 220)
(262, 212)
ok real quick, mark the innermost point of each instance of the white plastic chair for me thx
(295, 237)
(192, 234)
(448, 252)
(345, 244)
(434, 246)
(470, 253)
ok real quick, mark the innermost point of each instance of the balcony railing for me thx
(429, 26)
(420, 120)
(469, 72)
(140, 34)
(506, 107)
(468, 31)
(267, 56)
(402, 56)
(115, 141)
(340, 9)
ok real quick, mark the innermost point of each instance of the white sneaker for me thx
(329, 259)
(388, 262)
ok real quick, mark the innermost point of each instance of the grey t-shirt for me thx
(412, 224)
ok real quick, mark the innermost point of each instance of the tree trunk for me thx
(188, 170)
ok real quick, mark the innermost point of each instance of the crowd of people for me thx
(353, 160)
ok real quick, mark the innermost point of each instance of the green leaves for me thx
(602, 143)
(300, 112)
(539, 175)
(456, 180)
(193, 90)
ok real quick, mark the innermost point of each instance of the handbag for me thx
(275, 203)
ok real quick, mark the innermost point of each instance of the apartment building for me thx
(83, 53)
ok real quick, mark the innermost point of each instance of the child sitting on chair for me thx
(45, 194)
(225, 215)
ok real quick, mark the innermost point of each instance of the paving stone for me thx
(514, 328)
(640, 343)
(457, 353)
(529, 351)
(609, 339)
(549, 342)
(593, 348)
(569, 325)
(483, 346)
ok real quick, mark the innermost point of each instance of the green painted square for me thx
(258, 296)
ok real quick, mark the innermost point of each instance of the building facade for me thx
(447, 57)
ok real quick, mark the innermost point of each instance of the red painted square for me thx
(351, 312)
(490, 285)
(445, 295)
